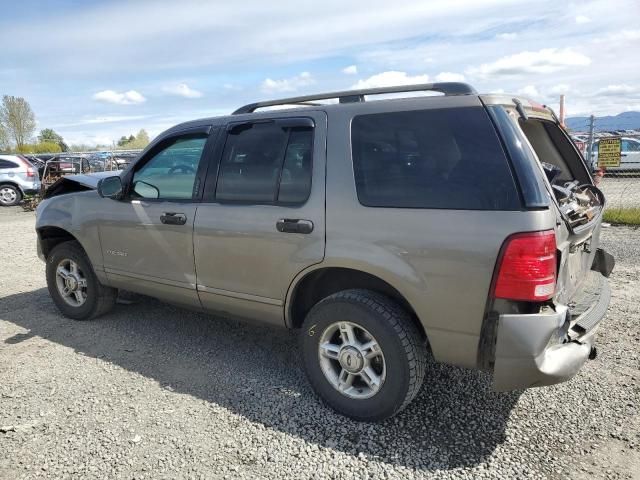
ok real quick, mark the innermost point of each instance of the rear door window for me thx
(439, 158)
(7, 164)
(266, 163)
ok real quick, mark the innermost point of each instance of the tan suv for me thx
(463, 225)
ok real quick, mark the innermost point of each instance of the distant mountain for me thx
(622, 121)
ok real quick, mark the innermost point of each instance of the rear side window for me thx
(266, 163)
(442, 158)
(8, 164)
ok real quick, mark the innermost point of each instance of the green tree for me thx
(41, 147)
(17, 118)
(4, 140)
(138, 141)
(142, 138)
(50, 135)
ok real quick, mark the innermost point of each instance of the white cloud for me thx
(287, 84)
(391, 78)
(561, 88)
(449, 77)
(130, 97)
(507, 36)
(622, 90)
(350, 70)
(529, 91)
(182, 90)
(582, 19)
(547, 60)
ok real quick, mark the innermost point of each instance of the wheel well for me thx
(327, 281)
(13, 184)
(52, 236)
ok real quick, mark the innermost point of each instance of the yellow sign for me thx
(609, 152)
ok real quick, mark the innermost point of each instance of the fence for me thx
(621, 185)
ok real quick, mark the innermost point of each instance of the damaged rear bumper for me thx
(548, 347)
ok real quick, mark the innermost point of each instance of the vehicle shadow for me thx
(254, 371)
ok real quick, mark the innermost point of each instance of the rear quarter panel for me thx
(441, 261)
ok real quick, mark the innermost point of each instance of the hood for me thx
(91, 179)
(78, 183)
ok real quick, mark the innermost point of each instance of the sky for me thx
(96, 70)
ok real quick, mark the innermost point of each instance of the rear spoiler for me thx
(521, 105)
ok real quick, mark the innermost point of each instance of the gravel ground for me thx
(621, 190)
(152, 391)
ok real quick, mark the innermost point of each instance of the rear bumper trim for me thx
(534, 350)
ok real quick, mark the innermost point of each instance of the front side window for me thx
(266, 163)
(440, 158)
(171, 173)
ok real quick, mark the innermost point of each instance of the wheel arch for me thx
(49, 236)
(313, 285)
(14, 185)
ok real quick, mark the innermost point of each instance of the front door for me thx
(262, 219)
(147, 238)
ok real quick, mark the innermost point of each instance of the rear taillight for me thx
(31, 172)
(527, 267)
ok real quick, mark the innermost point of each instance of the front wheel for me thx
(363, 355)
(73, 285)
(9, 195)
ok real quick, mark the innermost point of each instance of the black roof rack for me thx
(351, 96)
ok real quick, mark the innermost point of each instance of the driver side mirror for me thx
(110, 187)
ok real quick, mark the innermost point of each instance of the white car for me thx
(630, 155)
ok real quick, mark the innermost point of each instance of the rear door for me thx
(262, 219)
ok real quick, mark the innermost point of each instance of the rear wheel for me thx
(363, 354)
(9, 195)
(73, 285)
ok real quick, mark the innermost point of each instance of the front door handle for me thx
(172, 218)
(294, 225)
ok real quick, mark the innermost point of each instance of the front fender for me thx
(77, 214)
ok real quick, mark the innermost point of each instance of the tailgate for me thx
(578, 204)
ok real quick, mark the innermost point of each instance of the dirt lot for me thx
(151, 391)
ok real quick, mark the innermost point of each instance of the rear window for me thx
(441, 158)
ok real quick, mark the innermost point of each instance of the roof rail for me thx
(351, 96)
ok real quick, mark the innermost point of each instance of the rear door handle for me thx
(294, 225)
(172, 218)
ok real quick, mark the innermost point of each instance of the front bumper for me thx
(548, 347)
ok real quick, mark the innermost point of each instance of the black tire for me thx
(16, 193)
(403, 348)
(99, 298)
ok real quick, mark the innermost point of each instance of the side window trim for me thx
(217, 150)
(158, 145)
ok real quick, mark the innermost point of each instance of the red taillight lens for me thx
(31, 172)
(527, 267)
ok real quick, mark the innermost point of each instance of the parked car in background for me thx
(462, 224)
(18, 177)
(629, 156)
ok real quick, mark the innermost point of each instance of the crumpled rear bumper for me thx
(549, 347)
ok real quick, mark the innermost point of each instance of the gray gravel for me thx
(622, 190)
(152, 391)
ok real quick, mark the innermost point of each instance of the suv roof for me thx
(354, 96)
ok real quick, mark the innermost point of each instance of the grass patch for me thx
(623, 216)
